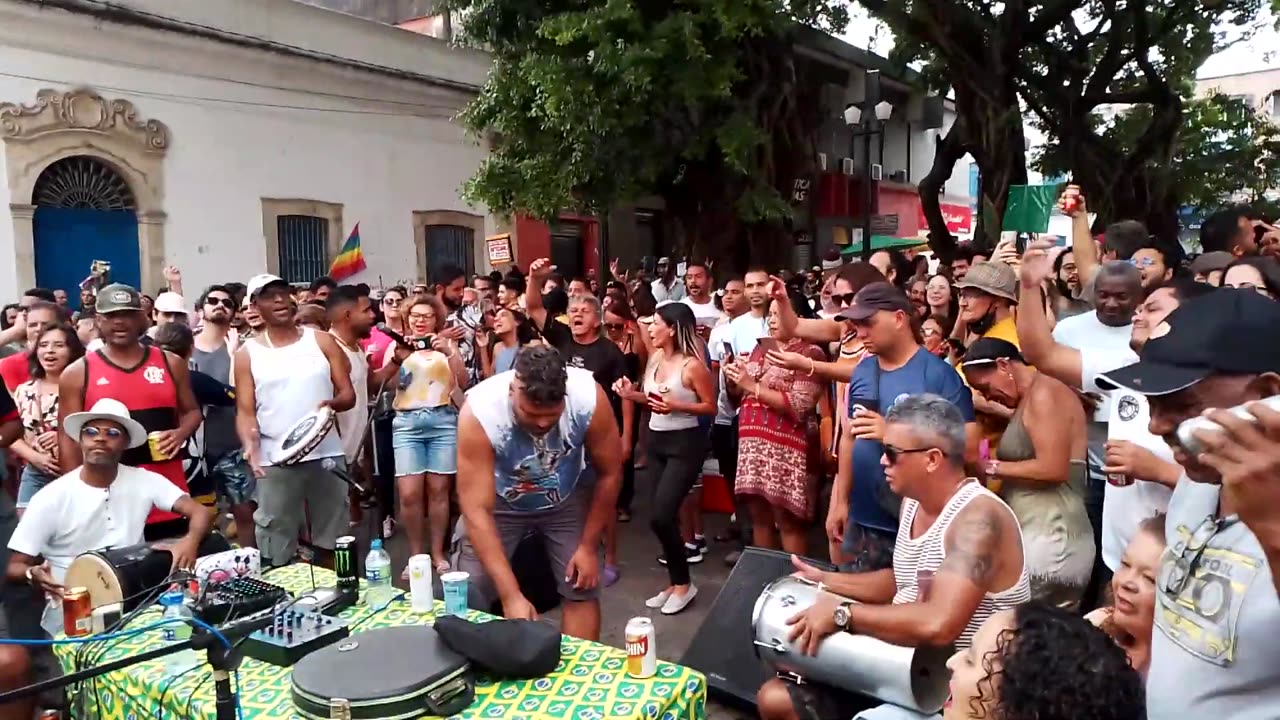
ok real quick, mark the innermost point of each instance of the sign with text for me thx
(499, 249)
(884, 224)
(959, 218)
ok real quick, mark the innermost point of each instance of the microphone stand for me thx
(222, 659)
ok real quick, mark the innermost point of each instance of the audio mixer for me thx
(293, 635)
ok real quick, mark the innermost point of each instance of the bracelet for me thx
(812, 367)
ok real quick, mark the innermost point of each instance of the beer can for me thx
(642, 648)
(1119, 480)
(1187, 428)
(345, 564)
(153, 445)
(77, 612)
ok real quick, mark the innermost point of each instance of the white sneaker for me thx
(388, 527)
(659, 600)
(675, 603)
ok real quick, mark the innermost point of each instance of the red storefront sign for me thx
(959, 218)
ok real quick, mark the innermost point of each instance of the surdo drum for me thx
(305, 435)
(913, 678)
(129, 575)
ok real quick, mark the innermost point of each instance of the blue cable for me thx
(122, 634)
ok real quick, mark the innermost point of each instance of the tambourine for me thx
(305, 435)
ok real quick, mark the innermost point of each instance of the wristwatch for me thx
(841, 615)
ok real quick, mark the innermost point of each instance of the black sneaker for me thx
(692, 555)
(701, 542)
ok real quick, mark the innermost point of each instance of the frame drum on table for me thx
(305, 435)
(913, 678)
(128, 575)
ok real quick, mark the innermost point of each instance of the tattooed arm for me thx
(966, 575)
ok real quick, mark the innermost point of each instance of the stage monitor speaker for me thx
(723, 648)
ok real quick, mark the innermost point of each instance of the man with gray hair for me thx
(958, 561)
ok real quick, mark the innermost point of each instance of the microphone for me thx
(330, 465)
(418, 344)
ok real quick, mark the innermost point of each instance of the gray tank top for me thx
(671, 388)
(219, 422)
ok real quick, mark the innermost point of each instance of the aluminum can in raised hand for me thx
(642, 648)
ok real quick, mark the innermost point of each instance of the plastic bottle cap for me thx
(376, 544)
(172, 597)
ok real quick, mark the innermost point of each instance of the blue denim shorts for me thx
(31, 483)
(233, 477)
(425, 441)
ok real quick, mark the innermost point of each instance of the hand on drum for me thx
(810, 627)
(806, 571)
(184, 551)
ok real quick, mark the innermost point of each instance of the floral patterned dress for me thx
(773, 446)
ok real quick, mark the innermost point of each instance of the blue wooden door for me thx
(68, 240)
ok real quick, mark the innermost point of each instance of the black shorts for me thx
(814, 701)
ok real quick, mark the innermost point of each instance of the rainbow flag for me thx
(350, 258)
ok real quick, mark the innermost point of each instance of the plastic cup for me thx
(454, 585)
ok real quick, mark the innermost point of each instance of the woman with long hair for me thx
(392, 309)
(776, 407)
(1257, 273)
(1042, 663)
(941, 299)
(1040, 465)
(37, 399)
(679, 391)
(424, 432)
(1131, 615)
(620, 327)
(511, 331)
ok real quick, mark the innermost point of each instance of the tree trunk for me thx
(947, 151)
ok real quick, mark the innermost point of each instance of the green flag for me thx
(1030, 207)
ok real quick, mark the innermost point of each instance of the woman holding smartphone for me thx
(678, 390)
(424, 433)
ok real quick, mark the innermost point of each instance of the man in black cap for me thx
(899, 367)
(1217, 613)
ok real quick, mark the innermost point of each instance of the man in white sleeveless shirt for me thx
(521, 441)
(957, 561)
(282, 374)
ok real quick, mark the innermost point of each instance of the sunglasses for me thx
(843, 300)
(1188, 553)
(391, 302)
(224, 302)
(894, 454)
(95, 432)
(615, 326)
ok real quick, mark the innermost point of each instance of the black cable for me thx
(165, 691)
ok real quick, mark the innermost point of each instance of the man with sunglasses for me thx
(961, 561)
(1217, 616)
(224, 456)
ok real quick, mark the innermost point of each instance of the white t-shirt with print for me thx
(704, 314)
(1123, 508)
(69, 517)
(1086, 332)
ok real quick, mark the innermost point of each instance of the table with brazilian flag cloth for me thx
(591, 682)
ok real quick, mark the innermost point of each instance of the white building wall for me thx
(234, 142)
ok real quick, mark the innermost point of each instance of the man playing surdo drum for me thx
(282, 375)
(521, 437)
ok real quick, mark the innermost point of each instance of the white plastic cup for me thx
(421, 596)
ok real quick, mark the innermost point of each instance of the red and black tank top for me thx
(148, 390)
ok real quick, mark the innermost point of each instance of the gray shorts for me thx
(285, 493)
(561, 529)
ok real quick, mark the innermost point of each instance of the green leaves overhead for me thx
(595, 102)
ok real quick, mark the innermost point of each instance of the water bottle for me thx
(175, 632)
(377, 576)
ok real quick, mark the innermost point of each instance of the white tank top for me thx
(672, 388)
(534, 473)
(929, 550)
(288, 383)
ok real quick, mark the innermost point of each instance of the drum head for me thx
(94, 572)
(305, 434)
(357, 668)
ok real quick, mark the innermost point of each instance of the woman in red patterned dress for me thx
(777, 406)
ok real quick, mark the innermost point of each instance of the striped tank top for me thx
(929, 550)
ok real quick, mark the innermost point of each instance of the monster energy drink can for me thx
(345, 563)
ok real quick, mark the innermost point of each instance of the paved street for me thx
(642, 577)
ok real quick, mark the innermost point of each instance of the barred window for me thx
(303, 243)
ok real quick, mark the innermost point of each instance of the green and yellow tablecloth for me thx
(590, 683)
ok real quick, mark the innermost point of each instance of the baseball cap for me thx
(993, 278)
(171, 302)
(1226, 332)
(258, 282)
(873, 298)
(117, 297)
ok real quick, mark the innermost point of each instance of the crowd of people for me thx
(988, 446)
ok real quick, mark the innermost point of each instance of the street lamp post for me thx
(864, 122)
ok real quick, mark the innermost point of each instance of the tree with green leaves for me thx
(704, 103)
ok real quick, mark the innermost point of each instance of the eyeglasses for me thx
(224, 302)
(95, 432)
(1188, 553)
(894, 454)
(420, 316)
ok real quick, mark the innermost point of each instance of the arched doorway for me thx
(85, 211)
